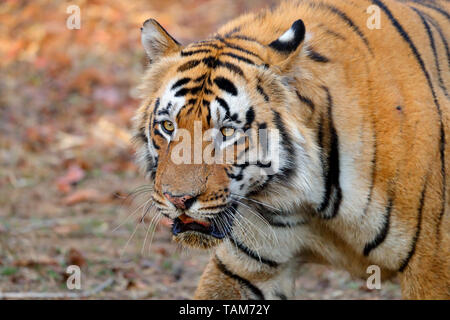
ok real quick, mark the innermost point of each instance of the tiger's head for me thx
(213, 129)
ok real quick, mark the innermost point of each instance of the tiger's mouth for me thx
(203, 234)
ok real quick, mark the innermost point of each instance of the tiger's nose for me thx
(181, 202)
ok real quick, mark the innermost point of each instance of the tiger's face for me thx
(209, 131)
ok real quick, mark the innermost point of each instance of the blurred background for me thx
(66, 163)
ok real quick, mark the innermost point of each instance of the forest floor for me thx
(66, 162)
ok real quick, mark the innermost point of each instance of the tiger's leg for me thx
(222, 281)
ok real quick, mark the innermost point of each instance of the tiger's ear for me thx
(157, 41)
(287, 46)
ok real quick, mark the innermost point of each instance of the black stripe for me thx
(184, 91)
(255, 290)
(200, 78)
(347, 20)
(381, 236)
(413, 48)
(155, 145)
(270, 215)
(244, 164)
(286, 224)
(441, 34)
(230, 66)
(245, 38)
(210, 62)
(236, 29)
(280, 295)
(433, 48)
(224, 105)
(320, 138)
(188, 65)
(164, 111)
(252, 254)
(333, 33)
(195, 90)
(239, 48)
(315, 56)
(263, 165)
(285, 172)
(180, 82)
(226, 85)
(249, 117)
(234, 117)
(272, 212)
(141, 135)
(374, 167)
(261, 91)
(332, 164)
(238, 57)
(305, 100)
(190, 53)
(237, 177)
(205, 43)
(157, 103)
(437, 9)
(192, 101)
(418, 228)
(206, 104)
(158, 133)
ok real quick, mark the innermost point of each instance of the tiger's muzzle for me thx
(201, 234)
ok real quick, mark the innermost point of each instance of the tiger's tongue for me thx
(186, 220)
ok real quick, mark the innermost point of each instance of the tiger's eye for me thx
(168, 126)
(227, 131)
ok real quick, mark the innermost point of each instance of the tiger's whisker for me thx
(261, 219)
(130, 215)
(256, 201)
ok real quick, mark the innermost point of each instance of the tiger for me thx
(357, 174)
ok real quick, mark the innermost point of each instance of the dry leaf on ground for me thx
(73, 175)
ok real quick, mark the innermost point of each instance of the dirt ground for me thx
(67, 176)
